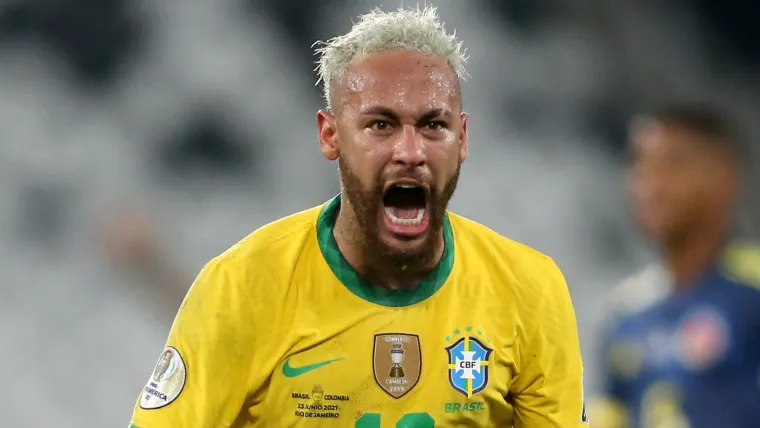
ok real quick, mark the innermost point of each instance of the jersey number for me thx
(409, 420)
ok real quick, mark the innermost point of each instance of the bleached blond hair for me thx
(416, 30)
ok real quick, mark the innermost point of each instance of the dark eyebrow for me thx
(390, 114)
(381, 111)
(432, 114)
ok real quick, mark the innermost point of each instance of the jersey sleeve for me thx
(547, 390)
(200, 378)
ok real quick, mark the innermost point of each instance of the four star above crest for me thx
(469, 329)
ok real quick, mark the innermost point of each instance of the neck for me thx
(377, 269)
(690, 256)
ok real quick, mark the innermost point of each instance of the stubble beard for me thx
(381, 261)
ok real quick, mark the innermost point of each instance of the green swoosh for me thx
(289, 371)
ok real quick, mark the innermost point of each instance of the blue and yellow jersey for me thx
(280, 331)
(692, 359)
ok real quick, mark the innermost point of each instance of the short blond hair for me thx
(416, 30)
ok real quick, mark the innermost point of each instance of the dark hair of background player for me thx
(710, 122)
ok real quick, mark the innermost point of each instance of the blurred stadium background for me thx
(142, 138)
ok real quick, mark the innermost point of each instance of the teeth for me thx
(406, 221)
(406, 186)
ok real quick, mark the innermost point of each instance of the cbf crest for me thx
(468, 365)
(397, 362)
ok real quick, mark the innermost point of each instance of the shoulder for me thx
(265, 256)
(740, 264)
(626, 323)
(624, 344)
(272, 242)
(519, 265)
(639, 291)
(523, 282)
(481, 239)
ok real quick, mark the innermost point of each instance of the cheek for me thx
(682, 198)
(454, 154)
(363, 165)
(692, 184)
(444, 162)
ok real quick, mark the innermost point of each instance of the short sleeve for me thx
(548, 388)
(200, 377)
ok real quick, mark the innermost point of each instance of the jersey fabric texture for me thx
(280, 331)
(693, 358)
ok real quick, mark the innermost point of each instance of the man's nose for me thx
(409, 149)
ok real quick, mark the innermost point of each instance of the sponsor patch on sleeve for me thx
(166, 382)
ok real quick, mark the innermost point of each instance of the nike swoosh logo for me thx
(289, 371)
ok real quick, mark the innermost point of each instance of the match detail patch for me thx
(166, 382)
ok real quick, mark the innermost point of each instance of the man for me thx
(396, 312)
(689, 356)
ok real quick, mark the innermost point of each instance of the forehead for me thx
(656, 136)
(399, 79)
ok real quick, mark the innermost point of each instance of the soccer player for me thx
(378, 308)
(691, 357)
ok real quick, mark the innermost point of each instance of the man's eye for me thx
(436, 126)
(380, 125)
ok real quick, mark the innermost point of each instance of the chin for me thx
(406, 245)
(415, 253)
(655, 231)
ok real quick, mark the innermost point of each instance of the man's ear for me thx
(328, 134)
(463, 139)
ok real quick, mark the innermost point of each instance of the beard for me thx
(380, 259)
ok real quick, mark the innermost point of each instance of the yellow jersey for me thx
(280, 331)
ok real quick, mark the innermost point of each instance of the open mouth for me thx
(404, 205)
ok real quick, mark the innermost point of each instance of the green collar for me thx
(372, 293)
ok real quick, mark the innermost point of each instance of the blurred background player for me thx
(685, 351)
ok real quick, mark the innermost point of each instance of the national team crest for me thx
(704, 338)
(468, 365)
(397, 362)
